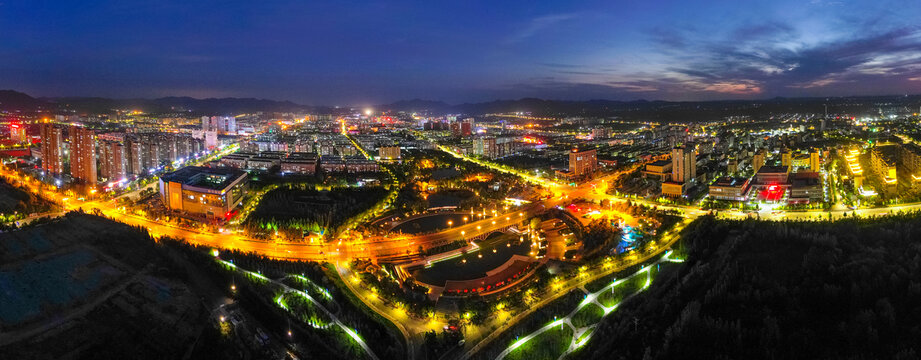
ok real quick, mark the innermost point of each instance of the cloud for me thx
(826, 3)
(771, 57)
(751, 61)
(560, 66)
(737, 88)
(772, 30)
(538, 24)
(668, 37)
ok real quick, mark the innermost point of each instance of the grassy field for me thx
(548, 345)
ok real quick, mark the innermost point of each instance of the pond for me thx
(471, 265)
(430, 223)
(445, 173)
(448, 198)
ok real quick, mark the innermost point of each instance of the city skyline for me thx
(376, 53)
(461, 181)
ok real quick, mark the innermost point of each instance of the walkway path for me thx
(288, 289)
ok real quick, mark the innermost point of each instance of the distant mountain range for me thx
(11, 100)
(671, 111)
(681, 111)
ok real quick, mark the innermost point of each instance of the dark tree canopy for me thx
(849, 289)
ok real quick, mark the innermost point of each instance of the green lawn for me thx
(548, 345)
(614, 296)
(588, 315)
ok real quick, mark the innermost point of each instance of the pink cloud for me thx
(740, 88)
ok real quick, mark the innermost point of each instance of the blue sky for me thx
(369, 52)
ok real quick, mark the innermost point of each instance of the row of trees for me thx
(292, 212)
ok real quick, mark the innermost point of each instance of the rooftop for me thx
(802, 179)
(302, 156)
(583, 149)
(729, 181)
(203, 177)
(773, 169)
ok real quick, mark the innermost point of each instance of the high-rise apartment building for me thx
(134, 150)
(684, 164)
(113, 160)
(467, 127)
(220, 124)
(153, 155)
(83, 154)
(52, 148)
(758, 160)
(786, 158)
(485, 146)
(814, 164)
(732, 166)
(601, 133)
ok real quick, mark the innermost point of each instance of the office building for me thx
(659, 170)
(729, 188)
(772, 175)
(18, 132)
(806, 187)
(208, 192)
(467, 127)
(582, 162)
(672, 189)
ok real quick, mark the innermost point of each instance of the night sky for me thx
(360, 52)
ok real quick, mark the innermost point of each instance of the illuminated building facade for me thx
(83, 154)
(52, 148)
(582, 162)
(113, 162)
(684, 164)
(208, 192)
(389, 153)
